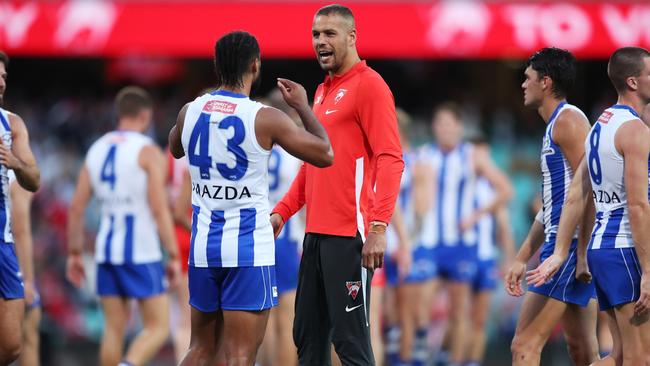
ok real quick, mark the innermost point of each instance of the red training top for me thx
(358, 111)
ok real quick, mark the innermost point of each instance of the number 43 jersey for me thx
(230, 190)
(606, 170)
(127, 231)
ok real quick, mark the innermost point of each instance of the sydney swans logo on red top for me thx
(219, 106)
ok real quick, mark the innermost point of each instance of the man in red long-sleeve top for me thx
(348, 204)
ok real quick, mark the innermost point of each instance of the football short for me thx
(486, 276)
(137, 281)
(183, 238)
(616, 275)
(423, 268)
(11, 281)
(456, 263)
(286, 265)
(564, 286)
(232, 288)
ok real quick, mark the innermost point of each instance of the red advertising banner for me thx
(445, 29)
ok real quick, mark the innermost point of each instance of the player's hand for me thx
(75, 271)
(582, 270)
(372, 254)
(545, 271)
(513, 278)
(7, 157)
(29, 292)
(173, 271)
(642, 305)
(404, 260)
(277, 223)
(293, 93)
(469, 222)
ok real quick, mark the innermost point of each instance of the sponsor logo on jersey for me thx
(353, 288)
(601, 196)
(220, 106)
(605, 117)
(546, 146)
(221, 192)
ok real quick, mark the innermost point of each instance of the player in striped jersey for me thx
(16, 155)
(549, 75)
(490, 230)
(124, 169)
(615, 174)
(227, 138)
(448, 226)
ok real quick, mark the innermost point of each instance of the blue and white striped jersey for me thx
(127, 232)
(230, 189)
(606, 170)
(283, 168)
(5, 200)
(453, 196)
(486, 226)
(556, 175)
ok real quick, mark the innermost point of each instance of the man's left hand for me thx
(372, 254)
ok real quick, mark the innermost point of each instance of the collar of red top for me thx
(353, 71)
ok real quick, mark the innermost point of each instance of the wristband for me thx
(377, 227)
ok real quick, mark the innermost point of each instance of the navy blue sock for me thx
(392, 336)
(421, 349)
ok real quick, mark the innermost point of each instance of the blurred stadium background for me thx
(70, 57)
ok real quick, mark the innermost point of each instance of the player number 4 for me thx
(108, 168)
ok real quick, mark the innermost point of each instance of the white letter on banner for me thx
(623, 30)
(458, 27)
(565, 26)
(523, 19)
(16, 21)
(85, 25)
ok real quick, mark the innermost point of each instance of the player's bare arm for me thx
(578, 198)
(503, 189)
(571, 130)
(75, 270)
(310, 144)
(175, 145)
(151, 160)
(183, 203)
(633, 142)
(505, 238)
(21, 200)
(404, 246)
(20, 157)
(423, 197)
(529, 247)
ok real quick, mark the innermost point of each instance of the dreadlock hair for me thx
(233, 54)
